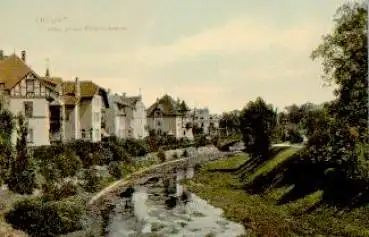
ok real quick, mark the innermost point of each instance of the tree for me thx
(257, 124)
(344, 53)
(294, 114)
(345, 61)
(22, 177)
(6, 148)
(230, 121)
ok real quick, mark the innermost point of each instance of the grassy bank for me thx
(233, 184)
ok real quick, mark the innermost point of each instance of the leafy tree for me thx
(22, 177)
(257, 123)
(230, 121)
(344, 55)
(197, 130)
(345, 60)
(294, 114)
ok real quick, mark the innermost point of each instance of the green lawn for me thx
(260, 214)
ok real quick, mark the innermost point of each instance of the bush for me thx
(40, 218)
(115, 170)
(294, 136)
(161, 155)
(68, 163)
(136, 147)
(52, 192)
(57, 161)
(185, 153)
(83, 150)
(118, 152)
(92, 180)
(175, 155)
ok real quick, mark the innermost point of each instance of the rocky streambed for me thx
(162, 207)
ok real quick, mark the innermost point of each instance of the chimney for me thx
(23, 53)
(47, 73)
(1, 54)
(77, 88)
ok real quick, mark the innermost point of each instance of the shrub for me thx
(175, 155)
(40, 218)
(93, 180)
(52, 192)
(136, 147)
(83, 150)
(185, 153)
(118, 152)
(294, 136)
(161, 155)
(102, 152)
(49, 171)
(115, 170)
(68, 163)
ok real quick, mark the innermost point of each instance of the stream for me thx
(162, 207)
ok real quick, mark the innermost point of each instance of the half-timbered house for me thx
(26, 93)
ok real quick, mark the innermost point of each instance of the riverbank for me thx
(224, 183)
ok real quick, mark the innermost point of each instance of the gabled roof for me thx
(88, 89)
(132, 100)
(53, 81)
(13, 70)
(168, 106)
(115, 98)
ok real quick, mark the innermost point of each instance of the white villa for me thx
(208, 122)
(167, 116)
(126, 117)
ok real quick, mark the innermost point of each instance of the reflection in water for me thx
(127, 197)
(165, 208)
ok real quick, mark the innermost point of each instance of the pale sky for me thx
(215, 53)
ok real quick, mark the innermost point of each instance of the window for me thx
(184, 132)
(159, 123)
(30, 85)
(30, 135)
(28, 109)
(91, 133)
(83, 134)
(97, 117)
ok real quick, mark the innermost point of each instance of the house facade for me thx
(167, 116)
(55, 110)
(86, 104)
(25, 92)
(126, 118)
(208, 122)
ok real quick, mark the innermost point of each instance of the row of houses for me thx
(65, 110)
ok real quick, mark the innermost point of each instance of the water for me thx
(163, 207)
